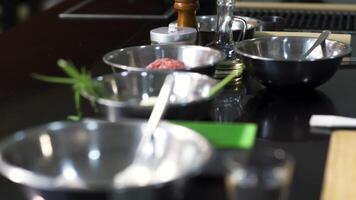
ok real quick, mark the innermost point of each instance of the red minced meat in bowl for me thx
(166, 63)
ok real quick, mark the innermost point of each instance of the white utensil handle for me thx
(331, 121)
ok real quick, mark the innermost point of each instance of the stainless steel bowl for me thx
(196, 58)
(207, 28)
(275, 62)
(132, 94)
(80, 160)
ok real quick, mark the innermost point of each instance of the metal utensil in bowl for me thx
(146, 156)
(276, 63)
(78, 160)
(131, 94)
(207, 28)
(320, 40)
(196, 58)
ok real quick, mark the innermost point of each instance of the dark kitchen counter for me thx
(35, 45)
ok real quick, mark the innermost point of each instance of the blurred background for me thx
(16, 11)
(13, 12)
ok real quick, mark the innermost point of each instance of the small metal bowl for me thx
(196, 58)
(80, 160)
(276, 63)
(132, 94)
(207, 28)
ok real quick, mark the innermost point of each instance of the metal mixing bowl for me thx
(132, 94)
(207, 28)
(196, 58)
(81, 160)
(275, 61)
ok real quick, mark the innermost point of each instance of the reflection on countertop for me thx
(285, 116)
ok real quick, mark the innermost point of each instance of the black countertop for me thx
(34, 46)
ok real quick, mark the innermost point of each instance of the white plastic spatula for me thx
(142, 170)
(332, 121)
(156, 114)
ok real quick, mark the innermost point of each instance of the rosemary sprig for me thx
(80, 81)
(221, 84)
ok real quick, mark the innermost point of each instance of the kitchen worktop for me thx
(35, 45)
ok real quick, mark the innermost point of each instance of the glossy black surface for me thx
(36, 45)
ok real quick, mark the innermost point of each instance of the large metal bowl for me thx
(131, 94)
(82, 160)
(207, 28)
(275, 61)
(196, 58)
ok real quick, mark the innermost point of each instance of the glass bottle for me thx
(227, 106)
(224, 40)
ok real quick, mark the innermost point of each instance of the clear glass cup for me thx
(227, 106)
(260, 174)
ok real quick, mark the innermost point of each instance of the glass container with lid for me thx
(173, 35)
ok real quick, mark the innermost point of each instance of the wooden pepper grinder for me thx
(186, 12)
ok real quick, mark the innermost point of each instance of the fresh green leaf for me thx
(52, 79)
(74, 117)
(69, 68)
(81, 80)
(77, 102)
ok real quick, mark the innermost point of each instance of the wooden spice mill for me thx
(186, 12)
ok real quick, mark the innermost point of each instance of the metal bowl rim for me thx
(38, 181)
(130, 68)
(120, 104)
(348, 50)
(253, 26)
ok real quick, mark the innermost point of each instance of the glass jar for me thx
(173, 35)
(227, 106)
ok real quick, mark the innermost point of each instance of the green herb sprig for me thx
(221, 84)
(81, 80)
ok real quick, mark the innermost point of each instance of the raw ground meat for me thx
(166, 63)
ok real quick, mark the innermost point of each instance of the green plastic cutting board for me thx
(224, 135)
